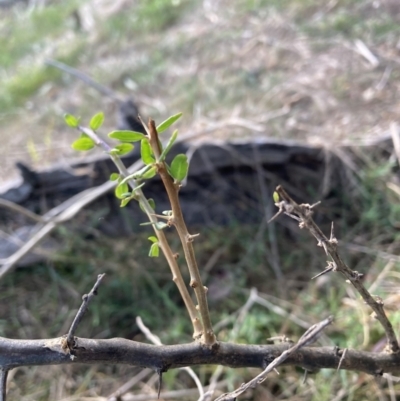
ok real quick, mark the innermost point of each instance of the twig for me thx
(3, 384)
(17, 208)
(306, 339)
(303, 214)
(85, 303)
(342, 359)
(146, 331)
(186, 239)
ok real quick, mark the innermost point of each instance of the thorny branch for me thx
(303, 214)
(44, 352)
(166, 249)
(186, 239)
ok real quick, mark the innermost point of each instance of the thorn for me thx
(315, 205)
(159, 372)
(327, 270)
(333, 240)
(278, 213)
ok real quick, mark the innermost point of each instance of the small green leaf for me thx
(145, 152)
(71, 120)
(153, 239)
(276, 197)
(125, 201)
(154, 251)
(169, 145)
(152, 203)
(97, 121)
(83, 143)
(179, 167)
(114, 176)
(121, 190)
(168, 122)
(122, 149)
(127, 136)
(167, 212)
(160, 225)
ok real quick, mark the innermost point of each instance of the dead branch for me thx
(14, 353)
(303, 214)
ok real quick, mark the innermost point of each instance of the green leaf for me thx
(145, 152)
(127, 136)
(153, 239)
(152, 203)
(122, 149)
(83, 143)
(179, 167)
(169, 145)
(154, 251)
(160, 225)
(168, 122)
(97, 121)
(167, 212)
(276, 197)
(125, 201)
(71, 120)
(122, 190)
(114, 176)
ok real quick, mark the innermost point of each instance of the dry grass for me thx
(259, 68)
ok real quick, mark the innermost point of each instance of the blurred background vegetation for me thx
(324, 73)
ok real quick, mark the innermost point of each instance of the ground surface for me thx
(321, 72)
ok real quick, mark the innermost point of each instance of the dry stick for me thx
(3, 384)
(20, 209)
(303, 214)
(85, 303)
(307, 338)
(162, 240)
(186, 239)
